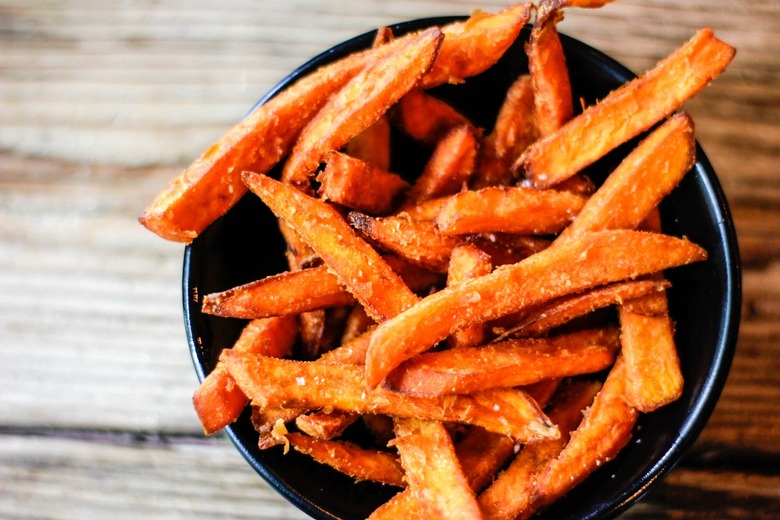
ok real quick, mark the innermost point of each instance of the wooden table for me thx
(102, 103)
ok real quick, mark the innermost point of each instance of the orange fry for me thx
(357, 265)
(372, 144)
(449, 168)
(467, 261)
(271, 382)
(594, 259)
(641, 180)
(472, 369)
(512, 490)
(626, 112)
(291, 292)
(416, 241)
(503, 209)
(426, 118)
(325, 425)
(433, 471)
(218, 401)
(549, 74)
(360, 104)
(539, 321)
(604, 430)
(351, 459)
(359, 185)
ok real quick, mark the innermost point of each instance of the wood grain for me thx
(101, 104)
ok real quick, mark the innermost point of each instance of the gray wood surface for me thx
(101, 103)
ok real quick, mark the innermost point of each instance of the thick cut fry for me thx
(426, 118)
(218, 401)
(594, 259)
(416, 241)
(357, 265)
(550, 76)
(351, 459)
(641, 180)
(654, 377)
(449, 168)
(511, 492)
(360, 185)
(540, 321)
(501, 209)
(604, 430)
(467, 261)
(360, 104)
(271, 382)
(291, 292)
(473, 46)
(627, 111)
(432, 469)
(507, 364)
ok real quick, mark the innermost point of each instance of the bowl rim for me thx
(707, 398)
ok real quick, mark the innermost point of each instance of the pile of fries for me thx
(458, 317)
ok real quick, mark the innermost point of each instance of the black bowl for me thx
(705, 300)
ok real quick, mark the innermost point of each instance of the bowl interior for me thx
(245, 245)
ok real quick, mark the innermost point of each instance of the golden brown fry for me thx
(218, 401)
(549, 74)
(604, 430)
(473, 369)
(291, 292)
(512, 490)
(359, 185)
(473, 46)
(360, 104)
(356, 264)
(432, 469)
(325, 425)
(372, 145)
(503, 209)
(274, 383)
(416, 241)
(627, 111)
(426, 118)
(540, 321)
(654, 377)
(641, 180)
(467, 261)
(594, 259)
(351, 459)
(449, 168)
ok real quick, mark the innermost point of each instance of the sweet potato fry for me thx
(503, 209)
(467, 261)
(508, 249)
(433, 471)
(540, 321)
(291, 292)
(351, 459)
(358, 322)
(641, 180)
(549, 74)
(359, 185)
(218, 401)
(627, 111)
(473, 46)
(271, 382)
(357, 265)
(416, 241)
(449, 168)
(511, 492)
(359, 104)
(426, 118)
(588, 261)
(654, 377)
(604, 430)
(472, 369)
(325, 425)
